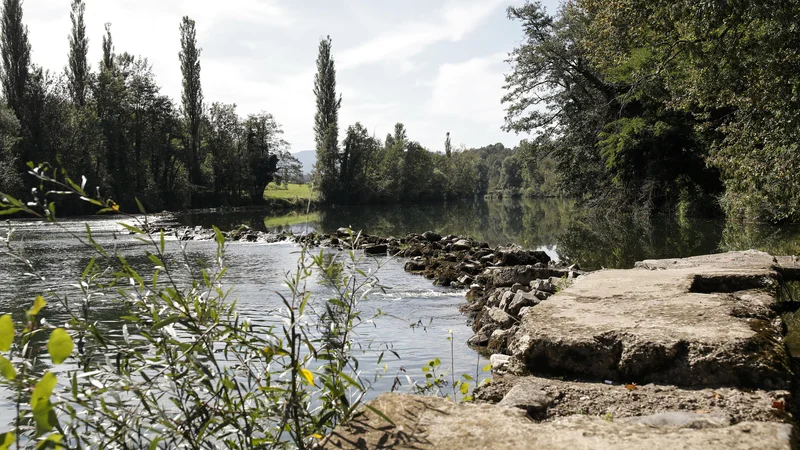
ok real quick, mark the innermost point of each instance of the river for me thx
(258, 271)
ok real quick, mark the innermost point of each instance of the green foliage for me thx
(117, 128)
(192, 96)
(326, 123)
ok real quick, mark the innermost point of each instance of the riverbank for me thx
(689, 351)
(677, 353)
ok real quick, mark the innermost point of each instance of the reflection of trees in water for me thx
(530, 223)
(589, 238)
(784, 240)
(619, 240)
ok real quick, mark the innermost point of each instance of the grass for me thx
(290, 219)
(296, 192)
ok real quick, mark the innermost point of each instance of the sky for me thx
(436, 66)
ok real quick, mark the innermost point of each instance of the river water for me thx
(257, 271)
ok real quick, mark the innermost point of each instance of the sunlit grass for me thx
(289, 192)
(290, 219)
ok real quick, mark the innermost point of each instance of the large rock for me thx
(434, 423)
(528, 397)
(516, 256)
(376, 249)
(462, 245)
(509, 276)
(431, 236)
(684, 322)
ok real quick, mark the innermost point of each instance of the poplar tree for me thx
(16, 52)
(192, 95)
(108, 49)
(78, 69)
(326, 122)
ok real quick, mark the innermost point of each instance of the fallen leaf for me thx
(631, 387)
(779, 405)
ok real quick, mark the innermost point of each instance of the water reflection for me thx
(590, 239)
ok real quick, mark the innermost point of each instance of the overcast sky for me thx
(436, 66)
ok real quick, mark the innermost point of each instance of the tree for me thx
(357, 163)
(264, 143)
(108, 50)
(78, 68)
(289, 170)
(447, 145)
(326, 123)
(730, 66)
(16, 51)
(192, 96)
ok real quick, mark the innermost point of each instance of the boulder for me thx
(376, 249)
(461, 245)
(516, 256)
(430, 236)
(529, 398)
(522, 300)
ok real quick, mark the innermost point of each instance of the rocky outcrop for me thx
(682, 353)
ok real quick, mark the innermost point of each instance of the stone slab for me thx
(686, 322)
(436, 423)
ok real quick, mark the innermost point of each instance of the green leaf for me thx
(7, 369)
(9, 211)
(37, 306)
(6, 333)
(60, 345)
(40, 401)
(162, 323)
(6, 439)
(464, 388)
(53, 441)
(487, 368)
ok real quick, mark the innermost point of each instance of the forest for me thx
(680, 107)
(112, 125)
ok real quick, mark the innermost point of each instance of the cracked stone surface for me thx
(427, 422)
(688, 322)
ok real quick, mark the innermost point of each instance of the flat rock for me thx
(628, 400)
(682, 419)
(529, 398)
(429, 422)
(689, 322)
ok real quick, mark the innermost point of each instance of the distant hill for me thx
(308, 158)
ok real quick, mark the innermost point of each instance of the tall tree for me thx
(326, 123)
(78, 69)
(448, 146)
(16, 52)
(108, 49)
(192, 95)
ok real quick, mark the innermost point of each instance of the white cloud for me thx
(471, 90)
(453, 22)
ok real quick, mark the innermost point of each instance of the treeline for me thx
(664, 105)
(363, 169)
(115, 127)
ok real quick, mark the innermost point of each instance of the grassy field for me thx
(290, 192)
(290, 219)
